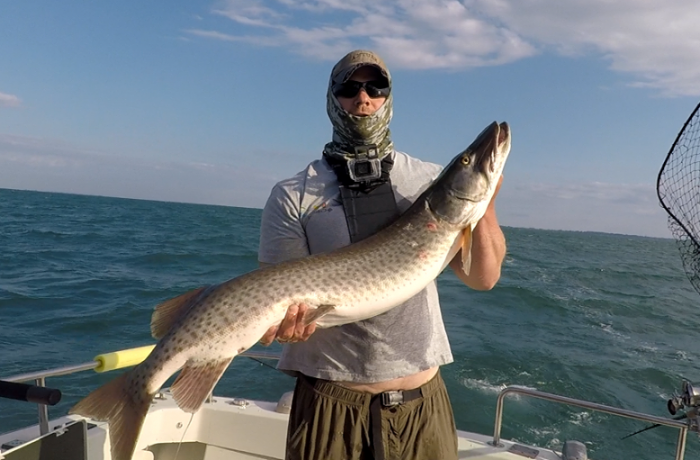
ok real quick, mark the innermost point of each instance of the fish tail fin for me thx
(124, 412)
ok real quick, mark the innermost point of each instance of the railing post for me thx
(43, 410)
(499, 419)
(680, 447)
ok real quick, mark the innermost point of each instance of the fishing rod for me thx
(655, 425)
(687, 401)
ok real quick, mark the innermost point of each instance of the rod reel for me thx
(688, 402)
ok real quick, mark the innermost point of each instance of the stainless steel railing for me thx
(682, 426)
(39, 377)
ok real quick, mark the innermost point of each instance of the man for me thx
(370, 389)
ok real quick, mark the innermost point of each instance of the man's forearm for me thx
(488, 249)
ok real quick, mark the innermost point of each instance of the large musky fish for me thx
(201, 331)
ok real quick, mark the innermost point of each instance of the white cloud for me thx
(260, 41)
(250, 12)
(9, 100)
(414, 33)
(656, 43)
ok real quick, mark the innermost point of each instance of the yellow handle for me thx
(122, 358)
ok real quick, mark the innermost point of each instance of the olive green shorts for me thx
(328, 421)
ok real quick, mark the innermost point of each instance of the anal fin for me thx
(196, 381)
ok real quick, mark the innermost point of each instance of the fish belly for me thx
(360, 307)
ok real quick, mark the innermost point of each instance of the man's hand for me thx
(292, 328)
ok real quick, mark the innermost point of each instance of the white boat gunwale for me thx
(102, 364)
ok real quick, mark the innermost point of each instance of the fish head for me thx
(464, 189)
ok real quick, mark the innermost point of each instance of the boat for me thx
(231, 428)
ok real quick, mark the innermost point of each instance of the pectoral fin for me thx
(467, 250)
(313, 315)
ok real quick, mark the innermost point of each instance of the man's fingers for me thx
(310, 329)
(299, 327)
(303, 332)
(292, 328)
(269, 336)
(288, 325)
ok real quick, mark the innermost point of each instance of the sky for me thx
(215, 101)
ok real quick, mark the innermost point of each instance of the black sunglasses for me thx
(374, 88)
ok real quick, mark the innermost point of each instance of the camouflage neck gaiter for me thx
(351, 131)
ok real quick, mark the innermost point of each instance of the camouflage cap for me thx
(354, 60)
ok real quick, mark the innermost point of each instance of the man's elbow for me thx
(485, 282)
(489, 283)
(479, 279)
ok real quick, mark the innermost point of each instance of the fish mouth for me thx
(494, 140)
(502, 141)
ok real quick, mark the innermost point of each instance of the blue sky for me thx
(213, 102)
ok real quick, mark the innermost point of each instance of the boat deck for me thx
(234, 429)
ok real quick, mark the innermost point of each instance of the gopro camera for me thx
(365, 166)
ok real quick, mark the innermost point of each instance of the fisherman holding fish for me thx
(352, 245)
(369, 389)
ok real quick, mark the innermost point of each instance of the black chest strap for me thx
(368, 212)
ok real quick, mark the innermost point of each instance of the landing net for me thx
(678, 188)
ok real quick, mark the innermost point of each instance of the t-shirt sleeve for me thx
(282, 235)
(412, 177)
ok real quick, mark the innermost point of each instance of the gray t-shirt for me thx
(304, 215)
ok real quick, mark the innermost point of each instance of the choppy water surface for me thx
(608, 318)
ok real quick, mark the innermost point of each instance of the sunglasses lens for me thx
(376, 89)
(349, 89)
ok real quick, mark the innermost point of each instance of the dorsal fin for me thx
(168, 312)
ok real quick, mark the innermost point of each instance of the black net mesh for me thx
(678, 187)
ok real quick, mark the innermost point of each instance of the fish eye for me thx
(466, 160)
